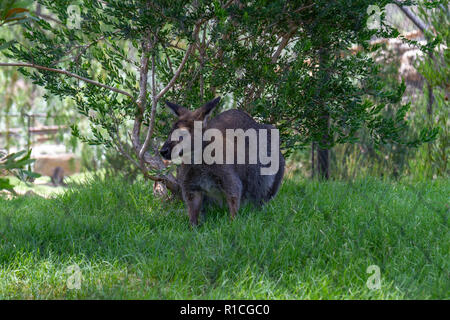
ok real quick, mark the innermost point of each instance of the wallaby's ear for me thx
(176, 109)
(206, 110)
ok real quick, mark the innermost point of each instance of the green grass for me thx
(314, 241)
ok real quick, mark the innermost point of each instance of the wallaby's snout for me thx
(166, 151)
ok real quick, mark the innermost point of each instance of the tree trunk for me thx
(323, 153)
(324, 163)
(323, 157)
(313, 161)
(430, 102)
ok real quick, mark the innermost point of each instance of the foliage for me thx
(14, 164)
(435, 68)
(394, 159)
(286, 62)
(318, 90)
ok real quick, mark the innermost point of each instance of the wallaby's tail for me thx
(279, 175)
(278, 178)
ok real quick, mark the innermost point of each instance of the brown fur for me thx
(233, 183)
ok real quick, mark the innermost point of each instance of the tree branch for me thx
(67, 73)
(180, 67)
(142, 99)
(305, 7)
(47, 17)
(416, 20)
(83, 47)
(156, 97)
(284, 41)
(152, 115)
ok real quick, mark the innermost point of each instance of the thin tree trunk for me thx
(430, 102)
(313, 164)
(323, 153)
(324, 163)
(430, 119)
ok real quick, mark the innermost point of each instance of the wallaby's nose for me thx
(165, 152)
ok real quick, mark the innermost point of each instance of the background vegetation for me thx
(293, 64)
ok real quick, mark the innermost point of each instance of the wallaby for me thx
(234, 182)
(57, 177)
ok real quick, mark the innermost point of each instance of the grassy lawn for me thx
(314, 241)
(42, 186)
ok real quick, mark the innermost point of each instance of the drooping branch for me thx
(416, 20)
(142, 98)
(180, 67)
(152, 114)
(304, 8)
(155, 162)
(292, 30)
(284, 42)
(255, 92)
(82, 49)
(67, 73)
(147, 161)
(46, 17)
(156, 97)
